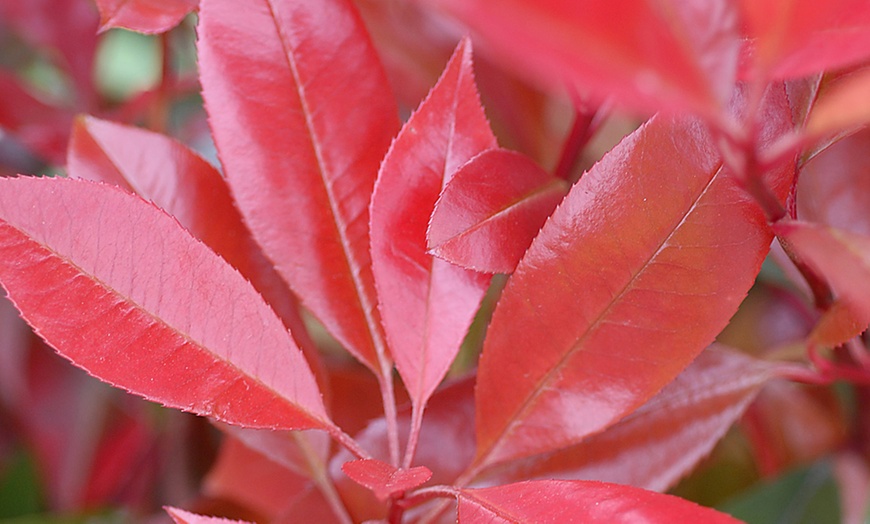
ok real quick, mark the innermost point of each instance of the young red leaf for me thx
(646, 55)
(491, 210)
(844, 107)
(185, 517)
(302, 115)
(426, 304)
(119, 288)
(665, 438)
(635, 273)
(800, 37)
(183, 184)
(566, 502)
(144, 16)
(841, 258)
(383, 479)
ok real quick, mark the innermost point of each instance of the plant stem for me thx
(581, 131)
(322, 480)
(388, 395)
(348, 442)
(413, 436)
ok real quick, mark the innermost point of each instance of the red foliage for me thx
(337, 250)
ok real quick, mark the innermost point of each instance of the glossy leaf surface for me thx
(144, 16)
(426, 304)
(665, 438)
(491, 210)
(383, 479)
(568, 502)
(844, 107)
(139, 303)
(183, 184)
(186, 517)
(635, 273)
(842, 258)
(798, 37)
(646, 55)
(302, 155)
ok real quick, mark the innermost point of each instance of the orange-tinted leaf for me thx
(635, 273)
(647, 55)
(565, 501)
(185, 517)
(491, 210)
(383, 479)
(119, 288)
(665, 438)
(426, 304)
(842, 258)
(839, 324)
(301, 155)
(844, 107)
(797, 37)
(144, 16)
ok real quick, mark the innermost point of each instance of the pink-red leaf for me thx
(580, 502)
(635, 273)
(302, 115)
(383, 479)
(797, 37)
(647, 55)
(144, 16)
(491, 210)
(119, 288)
(185, 517)
(190, 189)
(844, 107)
(843, 260)
(665, 438)
(426, 304)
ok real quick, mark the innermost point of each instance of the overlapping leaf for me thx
(647, 55)
(119, 288)
(635, 273)
(491, 210)
(185, 517)
(665, 438)
(302, 115)
(564, 501)
(383, 479)
(426, 304)
(799, 37)
(144, 16)
(842, 259)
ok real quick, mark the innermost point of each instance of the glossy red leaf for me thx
(665, 438)
(383, 479)
(301, 155)
(426, 304)
(491, 210)
(842, 258)
(185, 517)
(144, 16)
(635, 273)
(139, 303)
(646, 55)
(568, 502)
(799, 37)
(190, 189)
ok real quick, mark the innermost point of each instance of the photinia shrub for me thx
(332, 223)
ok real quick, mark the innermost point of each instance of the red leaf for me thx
(799, 37)
(635, 273)
(302, 155)
(493, 207)
(647, 55)
(144, 16)
(183, 184)
(426, 304)
(564, 501)
(139, 303)
(383, 479)
(842, 258)
(185, 517)
(665, 438)
(845, 107)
